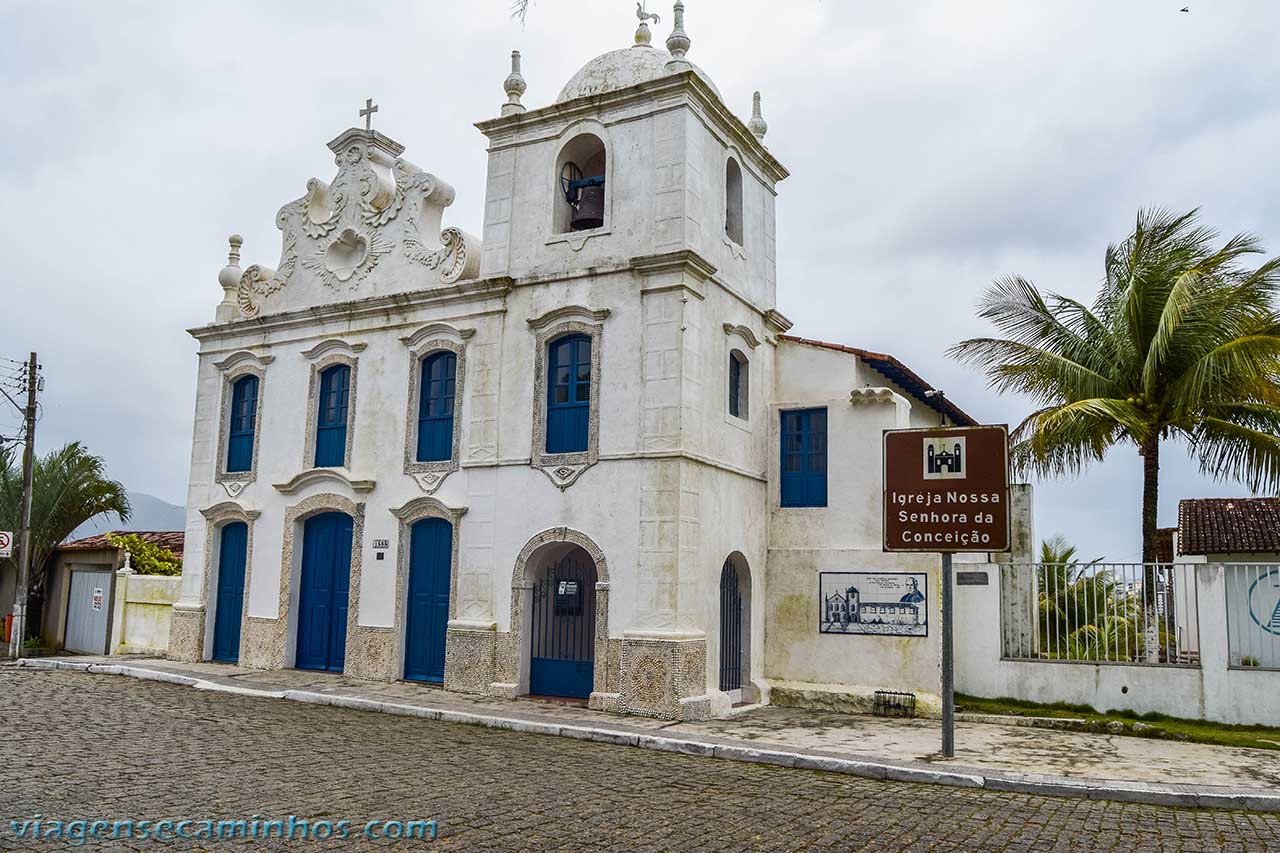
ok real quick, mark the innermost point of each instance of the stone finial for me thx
(127, 568)
(678, 42)
(644, 38)
(229, 278)
(757, 125)
(514, 86)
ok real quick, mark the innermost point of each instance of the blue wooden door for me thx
(232, 555)
(430, 558)
(322, 597)
(563, 622)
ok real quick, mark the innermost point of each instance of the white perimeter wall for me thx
(1211, 691)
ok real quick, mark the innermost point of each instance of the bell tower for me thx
(638, 156)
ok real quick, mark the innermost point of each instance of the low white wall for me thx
(1210, 691)
(143, 607)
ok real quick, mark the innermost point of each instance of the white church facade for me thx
(577, 455)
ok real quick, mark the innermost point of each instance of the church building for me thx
(578, 455)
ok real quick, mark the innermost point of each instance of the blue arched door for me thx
(322, 596)
(232, 555)
(430, 559)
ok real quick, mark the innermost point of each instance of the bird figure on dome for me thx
(646, 16)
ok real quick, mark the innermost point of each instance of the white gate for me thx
(88, 605)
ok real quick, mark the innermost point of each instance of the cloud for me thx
(933, 145)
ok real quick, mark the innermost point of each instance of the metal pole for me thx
(24, 534)
(948, 665)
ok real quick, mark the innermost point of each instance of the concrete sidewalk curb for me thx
(1185, 796)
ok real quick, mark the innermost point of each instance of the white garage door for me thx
(87, 608)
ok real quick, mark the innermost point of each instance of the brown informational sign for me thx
(946, 489)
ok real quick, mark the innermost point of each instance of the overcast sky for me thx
(933, 146)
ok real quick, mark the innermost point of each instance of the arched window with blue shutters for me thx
(331, 420)
(436, 405)
(568, 394)
(244, 412)
(804, 458)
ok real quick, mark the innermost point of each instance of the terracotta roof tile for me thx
(171, 539)
(1164, 544)
(1228, 525)
(897, 372)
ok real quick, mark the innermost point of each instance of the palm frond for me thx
(1227, 450)
(520, 9)
(1044, 375)
(69, 488)
(1228, 369)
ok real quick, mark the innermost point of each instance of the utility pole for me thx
(948, 631)
(24, 534)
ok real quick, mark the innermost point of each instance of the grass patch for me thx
(1152, 725)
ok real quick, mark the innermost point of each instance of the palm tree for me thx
(1182, 342)
(69, 488)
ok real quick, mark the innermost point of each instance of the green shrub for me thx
(147, 558)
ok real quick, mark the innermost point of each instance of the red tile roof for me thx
(1164, 544)
(897, 372)
(1229, 525)
(171, 539)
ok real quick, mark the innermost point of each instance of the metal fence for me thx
(1253, 615)
(1130, 613)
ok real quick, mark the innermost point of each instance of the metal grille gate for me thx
(563, 627)
(730, 628)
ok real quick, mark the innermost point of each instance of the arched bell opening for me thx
(580, 171)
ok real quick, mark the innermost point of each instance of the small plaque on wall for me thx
(381, 544)
(972, 579)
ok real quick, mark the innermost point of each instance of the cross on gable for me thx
(367, 113)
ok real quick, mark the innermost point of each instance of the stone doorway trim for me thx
(217, 517)
(409, 514)
(512, 664)
(268, 644)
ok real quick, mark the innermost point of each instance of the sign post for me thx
(946, 491)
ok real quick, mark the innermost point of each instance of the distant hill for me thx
(149, 513)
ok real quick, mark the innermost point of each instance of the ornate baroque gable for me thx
(374, 230)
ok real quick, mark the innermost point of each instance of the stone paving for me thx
(100, 746)
(979, 746)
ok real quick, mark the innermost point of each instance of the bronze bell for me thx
(590, 210)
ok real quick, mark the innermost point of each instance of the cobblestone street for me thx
(112, 748)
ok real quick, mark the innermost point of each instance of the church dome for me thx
(621, 68)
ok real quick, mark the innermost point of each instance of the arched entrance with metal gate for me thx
(735, 629)
(562, 625)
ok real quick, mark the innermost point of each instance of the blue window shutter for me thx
(803, 458)
(244, 410)
(331, 420)
(568, 394)
(438, 386)
(816, 487)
